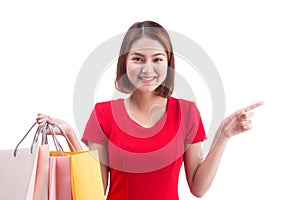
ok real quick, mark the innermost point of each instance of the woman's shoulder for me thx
(183, 102)
(108, 104)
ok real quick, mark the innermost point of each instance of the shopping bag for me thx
(18, 172)
(59, 172)
(86, 176)
(46, 168)
(42, 171)
(59, 178)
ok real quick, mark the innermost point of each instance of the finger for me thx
(41, 122)
(245, 122)
(234, 116)
(41, 116)
(253, 106)
(245, 115)
(246, 127)
(44, 120)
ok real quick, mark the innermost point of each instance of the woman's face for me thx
(147, 64)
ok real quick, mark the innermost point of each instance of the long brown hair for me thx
(154, 31)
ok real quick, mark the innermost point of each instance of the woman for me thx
(143, 140)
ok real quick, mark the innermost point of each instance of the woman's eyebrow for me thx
(139, 54)
(136, 54)
(159, 54)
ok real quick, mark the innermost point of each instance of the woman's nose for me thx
(147, 68)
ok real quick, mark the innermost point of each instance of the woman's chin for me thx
(147, 88)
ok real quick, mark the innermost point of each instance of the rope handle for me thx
(35, 137)
(43, 132)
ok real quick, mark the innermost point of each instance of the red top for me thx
(144, 163)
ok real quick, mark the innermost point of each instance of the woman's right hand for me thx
(42, 119)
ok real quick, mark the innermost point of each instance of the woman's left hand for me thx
(239, 121)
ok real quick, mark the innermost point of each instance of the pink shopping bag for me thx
(59, 185)
(59, 177)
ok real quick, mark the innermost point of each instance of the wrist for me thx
(69, 130)
(224, 136)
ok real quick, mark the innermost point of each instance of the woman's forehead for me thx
(146, 44)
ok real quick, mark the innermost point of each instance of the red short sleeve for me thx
(195, 128)
(93, 130)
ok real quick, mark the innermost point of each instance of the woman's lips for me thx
(147, 79)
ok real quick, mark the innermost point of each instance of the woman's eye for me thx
(137, 59)
(158, 60)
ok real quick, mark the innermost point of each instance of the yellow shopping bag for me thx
(86, 176)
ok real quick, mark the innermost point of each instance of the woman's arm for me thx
(201, 173)
(102, 152)
(74, 139)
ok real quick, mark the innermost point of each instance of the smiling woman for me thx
(153, 39)
(143, 140)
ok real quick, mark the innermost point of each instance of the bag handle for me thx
(72, 148)
(55, 141)
(51, 128)
(36, 135)
(43, 131)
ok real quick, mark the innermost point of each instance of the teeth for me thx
(147, 79)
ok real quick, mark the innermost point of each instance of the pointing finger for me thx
(253, 106)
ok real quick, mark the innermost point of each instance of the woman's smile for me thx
(147, 79)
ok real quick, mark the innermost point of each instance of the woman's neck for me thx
(146, 108)
(145, 101)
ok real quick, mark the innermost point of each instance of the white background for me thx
(255, 46)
